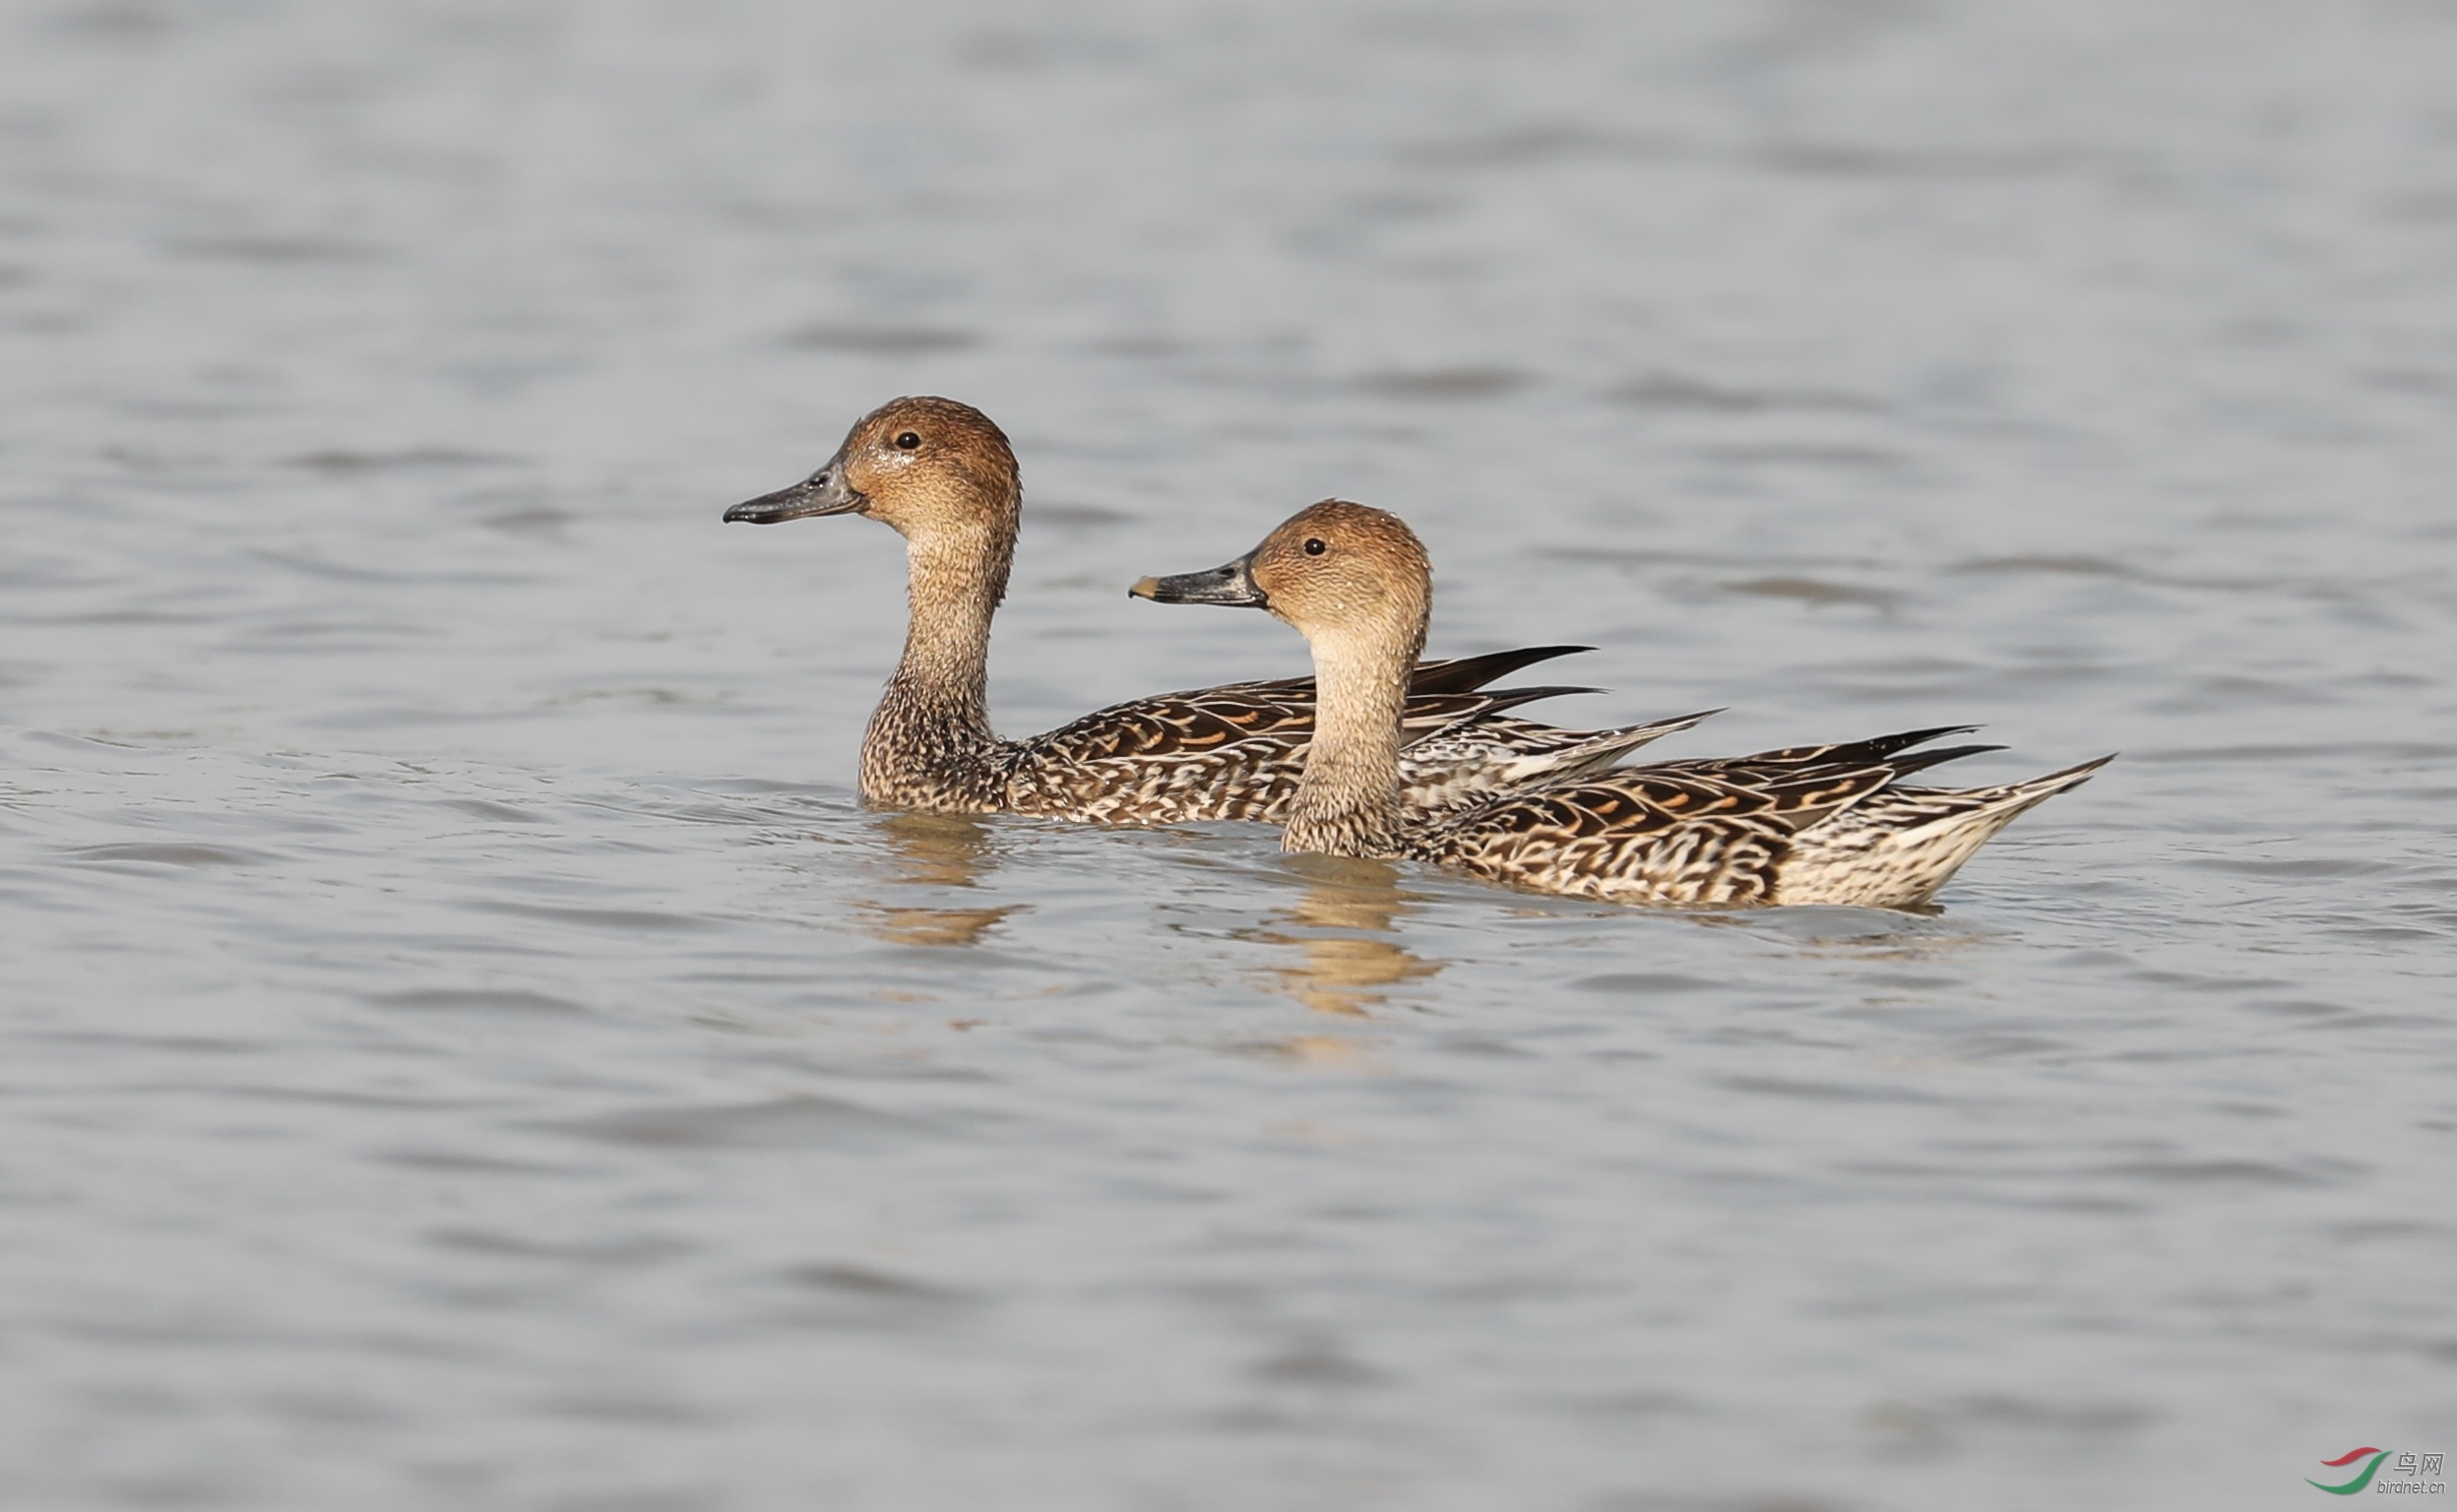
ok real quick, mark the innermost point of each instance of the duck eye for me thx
(1315, 547)
(909, 441)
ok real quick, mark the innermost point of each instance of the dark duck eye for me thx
(909, 441)
(1315, 546)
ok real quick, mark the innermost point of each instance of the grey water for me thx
(464, 1045)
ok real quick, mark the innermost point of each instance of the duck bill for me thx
(824, 492)
(1233, 585)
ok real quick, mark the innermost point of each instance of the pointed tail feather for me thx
(1855, 752)
(2038, 790)
(1466, 674)
(1920, 761)
(1842, 753)
(1512, 698)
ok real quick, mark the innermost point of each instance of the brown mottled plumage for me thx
(946, 479)
(1808, 824)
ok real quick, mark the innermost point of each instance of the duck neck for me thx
(929, 738)
(1348, 799)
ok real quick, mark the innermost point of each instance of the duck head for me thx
(1336, 571)
(928, 466)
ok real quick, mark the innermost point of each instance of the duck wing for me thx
(1648, 835)
(1219, 753)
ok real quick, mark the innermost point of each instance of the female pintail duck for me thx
(1812, 824)
(945, 477)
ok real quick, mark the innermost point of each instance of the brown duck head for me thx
(1336, 571)
(938, 470)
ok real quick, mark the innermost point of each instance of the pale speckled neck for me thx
(933, 723)
(1348, 800)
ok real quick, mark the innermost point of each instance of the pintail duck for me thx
(946, 479)
(1812, 824)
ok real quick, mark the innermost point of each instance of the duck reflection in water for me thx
(932, 850)
(1341, 972)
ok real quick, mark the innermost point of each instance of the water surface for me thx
(464, 1047)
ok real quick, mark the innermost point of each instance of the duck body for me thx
(1747, 832)
(945, 477)
(1827, 824)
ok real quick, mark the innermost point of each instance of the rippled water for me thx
(464, 1045)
